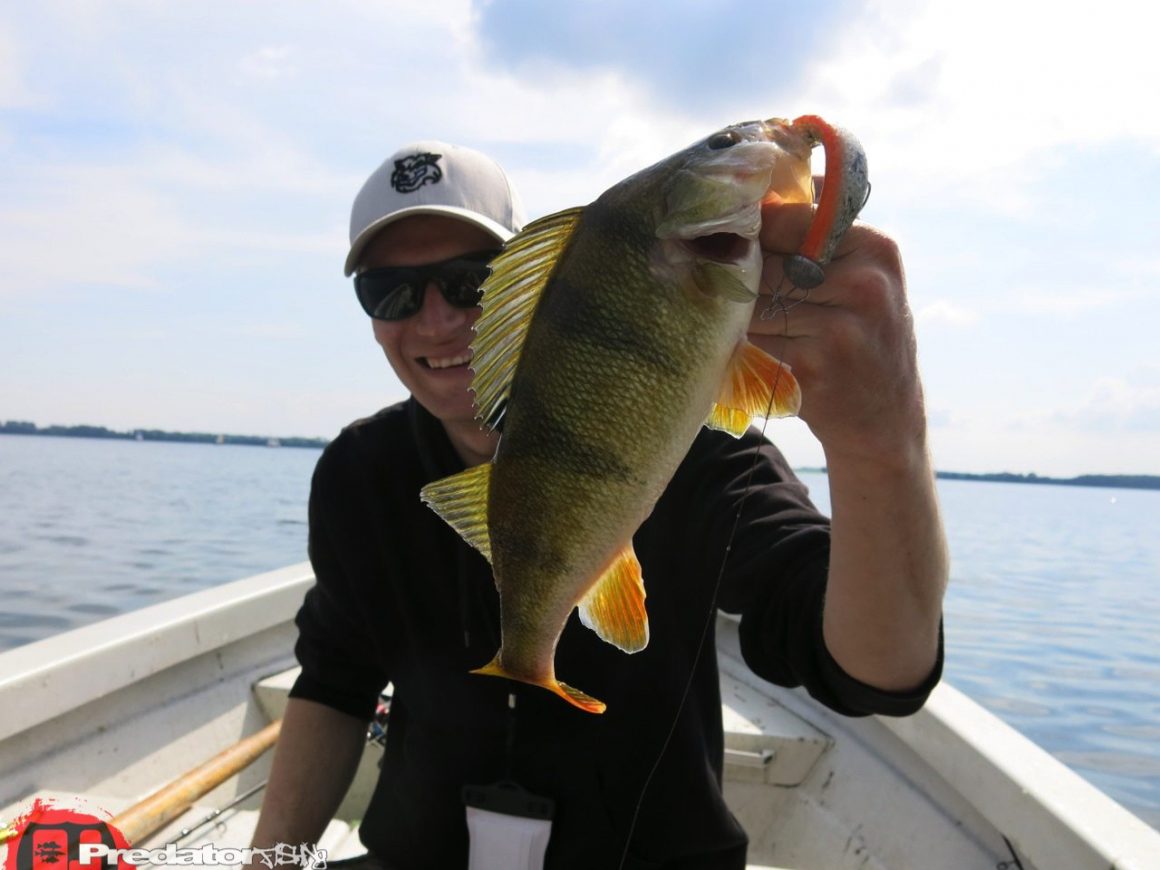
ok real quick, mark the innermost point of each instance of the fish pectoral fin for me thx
(461, 501)
(753, 377)
(510, 294)
(575, 697)
(614, 606)
(722, 280)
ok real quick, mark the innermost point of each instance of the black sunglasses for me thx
(396, 292)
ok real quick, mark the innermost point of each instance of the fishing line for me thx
(776, 305)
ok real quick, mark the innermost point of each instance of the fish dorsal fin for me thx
(461, 501)
(518, 276)
(614, 606)
(750, 379)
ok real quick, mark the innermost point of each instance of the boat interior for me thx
(113, 711)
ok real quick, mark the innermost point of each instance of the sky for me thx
(176, 178)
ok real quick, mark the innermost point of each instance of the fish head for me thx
(706, 203)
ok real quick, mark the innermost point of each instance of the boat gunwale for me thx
(47, 678)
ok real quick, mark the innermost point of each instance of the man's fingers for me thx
(799, 321)
(784, 226)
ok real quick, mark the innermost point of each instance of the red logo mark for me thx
(53, 837)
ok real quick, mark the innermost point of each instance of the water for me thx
(1051, 621)
(91, 528)
(1051, 615)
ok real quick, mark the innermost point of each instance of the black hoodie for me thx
(400, 597)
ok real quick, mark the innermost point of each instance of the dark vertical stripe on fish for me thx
(585, 318)
(546, 438)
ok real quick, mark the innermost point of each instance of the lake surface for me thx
(1051, 618)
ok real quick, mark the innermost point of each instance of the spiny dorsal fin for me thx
(461, 501)
(518, 276)
(614, 607)
(751, 377)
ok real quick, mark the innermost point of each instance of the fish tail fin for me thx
(575, 697)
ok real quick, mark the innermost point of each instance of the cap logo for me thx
(414, 171)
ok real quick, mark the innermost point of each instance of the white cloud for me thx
(972, 99)
(269, 62)
(14, 89)
(87, 226)
(945, 311)
(982, 443)
(1115, 404)
(1109, 427)
(1072, 303)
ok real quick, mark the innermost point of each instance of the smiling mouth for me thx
(445, 362)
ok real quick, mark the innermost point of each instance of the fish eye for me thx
(724, 139)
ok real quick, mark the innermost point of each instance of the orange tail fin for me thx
(573, 696)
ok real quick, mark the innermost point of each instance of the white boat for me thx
(113, 710)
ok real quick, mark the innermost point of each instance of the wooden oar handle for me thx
(154, 812)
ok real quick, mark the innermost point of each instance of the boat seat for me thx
(765, 742)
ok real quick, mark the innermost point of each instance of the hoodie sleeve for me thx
(334, 646)
(776, 572)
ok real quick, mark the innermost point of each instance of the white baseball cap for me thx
(432, 177)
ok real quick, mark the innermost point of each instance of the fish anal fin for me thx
(461, 501)
(614, 606)
(752, 378)
(510, 295)
(575, 697)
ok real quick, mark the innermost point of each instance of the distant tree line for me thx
(23, 427)
(1117, 481)
(1114, 481)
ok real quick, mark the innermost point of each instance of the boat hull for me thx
(113, 710)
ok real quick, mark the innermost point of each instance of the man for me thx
(850, 611)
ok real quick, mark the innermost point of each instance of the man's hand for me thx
(851, 345)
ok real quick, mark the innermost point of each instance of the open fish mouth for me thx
(720, 247)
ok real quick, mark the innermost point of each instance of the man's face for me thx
(430, 350)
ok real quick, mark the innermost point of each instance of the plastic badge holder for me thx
(509, 827)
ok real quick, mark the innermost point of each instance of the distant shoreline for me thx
(1110, 481)
(18, 427)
